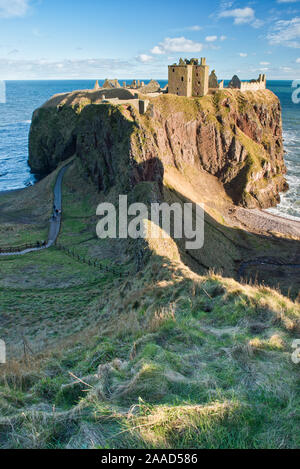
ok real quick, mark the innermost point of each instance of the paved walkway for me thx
(55, 221)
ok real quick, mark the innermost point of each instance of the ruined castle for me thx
(189, 78)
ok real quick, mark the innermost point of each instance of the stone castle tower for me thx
(188, 78)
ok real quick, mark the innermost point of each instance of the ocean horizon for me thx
(24, 96)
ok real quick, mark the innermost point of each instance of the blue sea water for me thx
(23, 97)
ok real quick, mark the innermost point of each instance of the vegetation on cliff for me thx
(163, 358)
(179, 352)
(232, 135)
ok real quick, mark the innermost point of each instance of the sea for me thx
(23, 97)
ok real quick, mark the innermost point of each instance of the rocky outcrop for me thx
(111, 84)
(213, 80)
(235, 82)
(152, 87)
(234, 136)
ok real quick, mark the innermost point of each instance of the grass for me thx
(206, 364)
(25, 219)
(164, 358)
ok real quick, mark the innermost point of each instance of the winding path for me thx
(55, 222)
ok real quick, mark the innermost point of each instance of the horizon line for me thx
(124, 79)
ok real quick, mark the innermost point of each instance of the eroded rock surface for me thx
(234, 136)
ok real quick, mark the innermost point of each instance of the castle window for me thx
(173, 69)
(181, 78)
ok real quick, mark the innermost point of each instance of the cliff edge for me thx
(234, 136)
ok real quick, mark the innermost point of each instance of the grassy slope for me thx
(169, 358)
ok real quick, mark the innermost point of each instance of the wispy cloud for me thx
(177, 44)
(36, 32)
(13, 52)
(13, 8)
(196, 27)
(144, 58)
(44, 68)
(192, 28)
(243, 54)
(211, 38)
(242, 16)
(286, 33)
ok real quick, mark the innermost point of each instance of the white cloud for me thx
(286, 69)
(264, 63)
(211, 38)
(286, 33)
(240, 15)
(243, 54)
(13, 8)
(257, 24)
(298, 61)
(157, 50)
(177, 44)
(144, 58)
(223, 38)
(287, 1)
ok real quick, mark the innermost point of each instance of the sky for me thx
(93, 39)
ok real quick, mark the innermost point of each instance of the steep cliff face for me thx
(234, 136)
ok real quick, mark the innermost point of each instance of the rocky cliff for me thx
(234, 136)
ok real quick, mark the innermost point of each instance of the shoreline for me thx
(287, 217)
(12, 190)
(261, 221)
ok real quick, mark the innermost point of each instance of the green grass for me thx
(197, 377)
(163, 358)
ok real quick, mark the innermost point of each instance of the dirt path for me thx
(55, 222)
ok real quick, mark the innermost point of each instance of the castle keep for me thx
(188, 78)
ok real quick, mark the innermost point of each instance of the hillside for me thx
(161, 346)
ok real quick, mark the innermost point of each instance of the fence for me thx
(91, 262)
(84, 259)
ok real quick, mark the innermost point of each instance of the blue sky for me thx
(73, 39)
